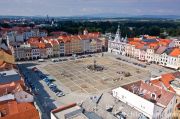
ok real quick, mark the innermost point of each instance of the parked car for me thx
(60, 94)
(55, 60)
(64, 59)
(148, 63)
(52, 85)
(41, 60)
(89, 55)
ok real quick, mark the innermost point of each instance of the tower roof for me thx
(118, 35)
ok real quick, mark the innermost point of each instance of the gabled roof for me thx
(153, 46)
(53, 42)
(161, 49)
(164, 40)
(149, 40)
(41, 45)
(10, 88)
(34, 40)
(134, 39)
(48, 45)
(175, 52)
(163, 97)
(83, 37)
(14, 110)
(166, 80)
(6, 57)
(168, 50)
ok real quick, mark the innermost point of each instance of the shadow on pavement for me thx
(43, 99)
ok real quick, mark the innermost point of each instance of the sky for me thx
(88, 7)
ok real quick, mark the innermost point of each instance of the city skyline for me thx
(89, 7)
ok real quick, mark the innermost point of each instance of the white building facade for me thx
(118, 44)
(152, 110)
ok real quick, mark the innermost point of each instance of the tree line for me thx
(129, 27)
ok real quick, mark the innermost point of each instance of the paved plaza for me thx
(79, 83)
(78, 78)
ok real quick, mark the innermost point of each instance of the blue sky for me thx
(88, 7)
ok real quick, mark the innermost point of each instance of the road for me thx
(41, 97)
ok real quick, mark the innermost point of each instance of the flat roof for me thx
(9, 76)
(61, 114)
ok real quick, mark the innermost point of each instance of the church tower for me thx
(85, 32)
(118, 36)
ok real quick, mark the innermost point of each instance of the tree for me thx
(154, 31)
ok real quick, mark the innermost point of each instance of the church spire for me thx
(118, 30)
(118, 35)
(126, 39)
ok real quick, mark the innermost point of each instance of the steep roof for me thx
(34, 40)
(53, 42)
(14, 110)
(149, 40)
(10, 88)
(175, 52)
(48, 45)
(163, 97)
(41, 45)
(6, 57)
(165, 80)
(69, 38)
(161, 49)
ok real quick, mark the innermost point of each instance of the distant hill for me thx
(102, 15)
(114, 15)
(159, 16)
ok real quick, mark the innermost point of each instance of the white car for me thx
(40, 60)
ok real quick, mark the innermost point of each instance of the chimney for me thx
(153, 96)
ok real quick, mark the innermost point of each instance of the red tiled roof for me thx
(68, 38)
(5, 58)
(156, 82)
(41, 45)
(53, 42)
(63, 108)
(175, 52)
(11, 88)
(165, 80)
(83, 37)
(14, 110)
(153, 45)
(48, 45)
(163, 96)
(34, 40)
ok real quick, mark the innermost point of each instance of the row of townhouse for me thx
(77, 44)
(21, 34)
(16, 100)
(28, 51)
(150, 49)
(47, 47)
